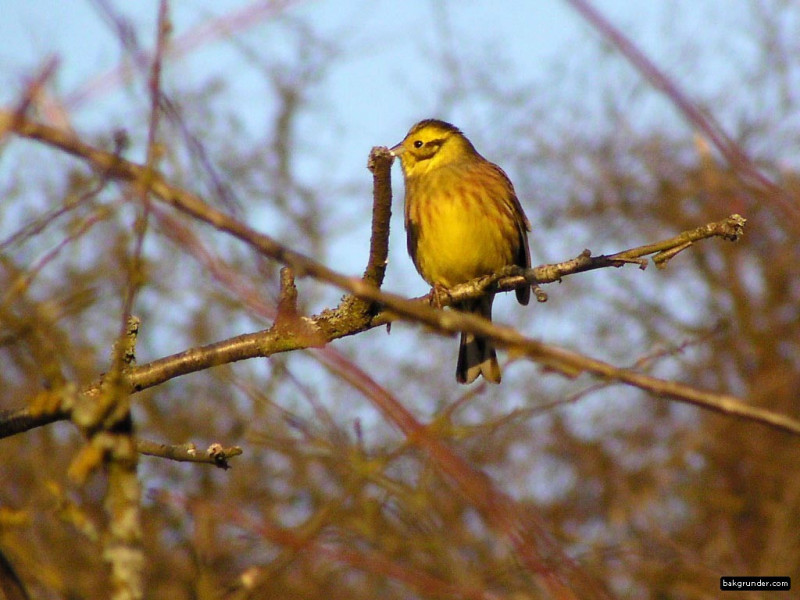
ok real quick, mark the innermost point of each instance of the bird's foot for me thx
(439, 296)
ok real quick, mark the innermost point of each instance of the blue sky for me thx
(386, 76)
(381, 84)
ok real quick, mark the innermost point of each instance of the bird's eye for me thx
(418, 144)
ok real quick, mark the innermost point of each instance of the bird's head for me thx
(431, 144)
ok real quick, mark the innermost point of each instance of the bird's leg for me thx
(438, 295)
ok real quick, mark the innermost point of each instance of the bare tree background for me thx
(358, 468)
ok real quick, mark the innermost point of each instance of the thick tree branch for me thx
(339, 322)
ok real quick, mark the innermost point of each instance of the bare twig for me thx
(287, 300)
(730, 228)
(380, 163)
(32, 92)
(215, 454)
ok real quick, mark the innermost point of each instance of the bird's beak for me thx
(397, 150)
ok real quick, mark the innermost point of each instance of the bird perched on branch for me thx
(463, 220)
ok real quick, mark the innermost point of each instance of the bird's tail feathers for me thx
(476, 355)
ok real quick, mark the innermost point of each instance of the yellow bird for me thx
(463, 220)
